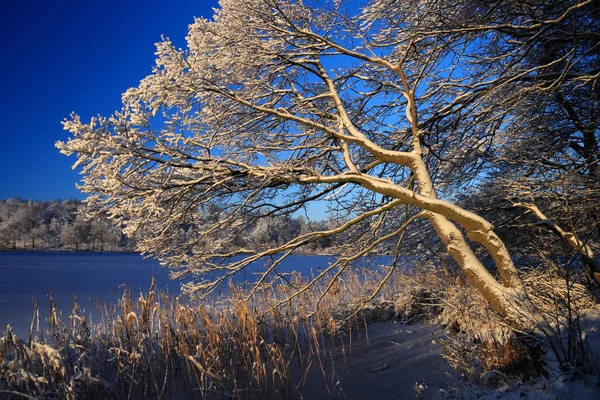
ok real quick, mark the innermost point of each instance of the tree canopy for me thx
(388, 110)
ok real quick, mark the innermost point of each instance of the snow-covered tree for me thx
(275, 104)
(9, 222)
(521, 95)
(77, 233)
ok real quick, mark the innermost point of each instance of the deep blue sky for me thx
(63, 56)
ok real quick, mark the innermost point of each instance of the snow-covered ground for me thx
(386, 361)
(395, 361)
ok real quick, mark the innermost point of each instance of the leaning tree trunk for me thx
(508, 298)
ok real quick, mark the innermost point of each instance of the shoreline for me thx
(52, 250)
(86, 251)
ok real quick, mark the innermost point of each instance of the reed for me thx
(154, 345)
(270, 345)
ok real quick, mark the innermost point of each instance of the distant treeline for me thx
(62, 224)
(57, 224)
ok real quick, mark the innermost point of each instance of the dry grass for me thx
(159, 346)
(154, 346)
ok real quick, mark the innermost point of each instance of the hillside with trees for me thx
(58, 224)
(66, 225)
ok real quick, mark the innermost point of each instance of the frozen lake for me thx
(93, 277)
